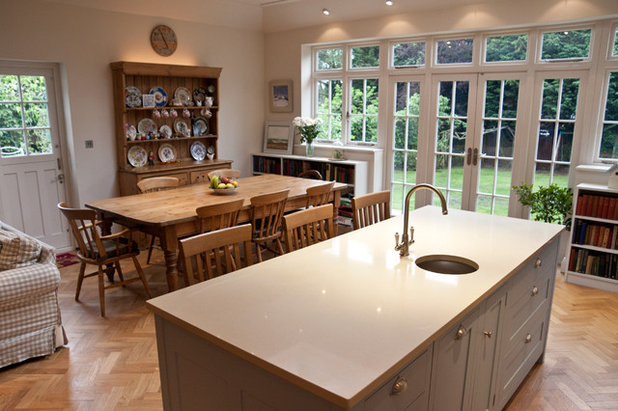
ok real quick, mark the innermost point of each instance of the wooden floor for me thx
(112, 363)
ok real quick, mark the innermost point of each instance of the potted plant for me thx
(210, 152)
(551, 204)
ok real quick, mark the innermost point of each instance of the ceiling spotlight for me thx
(388, 2)
(325, 12)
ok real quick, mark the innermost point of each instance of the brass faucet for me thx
(404, 246)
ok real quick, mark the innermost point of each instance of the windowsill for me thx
(348, 149)
(593, 168)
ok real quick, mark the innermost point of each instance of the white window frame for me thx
(509, 63)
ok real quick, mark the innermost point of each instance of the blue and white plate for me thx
(160, 96)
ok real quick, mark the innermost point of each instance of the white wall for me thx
(84, 41)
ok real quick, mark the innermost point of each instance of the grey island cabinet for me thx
(349, 325)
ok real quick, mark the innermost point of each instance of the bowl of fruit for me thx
(223, 185)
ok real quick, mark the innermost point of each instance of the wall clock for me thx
(163, 40)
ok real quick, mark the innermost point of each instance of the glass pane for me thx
(564, 141)
(396, 197)
(509, 100)
(441, 173)
(461, 98)
(566, 44)
(561, 175)
(568, 105)
(372, 96)
(457, 164)
(506, 48)
(443, 142)
(609, 141)
(36, 115)
(356, 128)
(371, 131)
(39, 141)
(323, 96)
(550, 98)
(335, 124)
(409, 54)
(501, 206)
(12, 143)
(33, 88)
(459, 137)
(455, 51)
(358, 96)
(400, 133)
(546, 141)
(411, 169)
(401, 101)
(454, 200)
(445, 96)
(507, 139)
(414, 103)
(10, 115)
(492, 98)
(413, 133)
(486, 176)
(483, 204)
(503, 182)
(336, 95)
(541, 174)
(615, 51)
(365, 56)
(611, 106)
(329, 59)
(9, 88)
(398, 157)
(489, 137)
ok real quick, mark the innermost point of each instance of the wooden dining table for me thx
(170, 214)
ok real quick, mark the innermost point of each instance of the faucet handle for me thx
(411, 235)
(396, 240)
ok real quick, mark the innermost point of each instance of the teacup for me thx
(156, 114)
(165, 113)
(173, 113)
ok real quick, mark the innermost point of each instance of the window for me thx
(24, 118)
(364, 110)
(567, 44)
(329, 108)
(609, 134)
(615, 49)
(365, 57)
(329, 59)
(506, 48)
(408, 54)
(454, 51)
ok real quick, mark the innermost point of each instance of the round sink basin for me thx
(446, 264)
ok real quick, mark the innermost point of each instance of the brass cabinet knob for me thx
(400, 386)
(538, 263)
(488, 334)
(535, 290)
(460, 333)
(528, 338)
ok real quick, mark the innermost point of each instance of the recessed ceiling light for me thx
(388, 2)
(325, 12)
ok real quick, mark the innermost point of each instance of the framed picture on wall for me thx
(278, 138)
(281, 100)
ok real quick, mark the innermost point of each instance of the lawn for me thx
(503, 186)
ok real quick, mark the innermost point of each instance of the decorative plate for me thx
(199, 94)
(131, 132)
(167, 153)
(211, 89)
(160, 96)
(165, 131)
(183, 95)
(223, 190)
(133, 97)
(198, 150)
(182, 128)
(200, 126)
(137, 156)
(147, 125)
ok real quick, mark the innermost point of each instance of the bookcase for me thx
(593, 245)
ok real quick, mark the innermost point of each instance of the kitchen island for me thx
(348, 324)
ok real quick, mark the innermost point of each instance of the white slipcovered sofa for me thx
(30, 323)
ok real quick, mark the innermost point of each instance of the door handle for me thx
(475, 157)
(60, 178)
(469, 156)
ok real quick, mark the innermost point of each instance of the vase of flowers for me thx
(309, 128)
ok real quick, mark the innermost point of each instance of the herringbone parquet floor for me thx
(112, 363)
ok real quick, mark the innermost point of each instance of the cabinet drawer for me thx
(200, 176)
(413, 397)
(529, 289)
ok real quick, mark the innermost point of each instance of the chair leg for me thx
(152, 240)
(119, 270)
(279, 246)
(142, 276)
(101, 292)
(80, 280)
(258, 251)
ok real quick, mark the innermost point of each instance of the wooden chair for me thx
(314, 174)
(218, 216)
(309, 226)
(217, 252)
(149, 185)
(371, 208)
(318, 195)
(266, 218)
(225, 172)
(101, 250)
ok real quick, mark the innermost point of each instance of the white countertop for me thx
(339, 317)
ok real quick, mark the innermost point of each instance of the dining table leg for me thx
(169, 244)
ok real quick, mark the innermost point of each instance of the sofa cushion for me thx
(17, 250)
